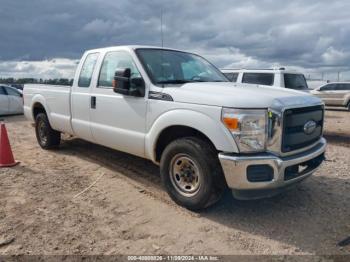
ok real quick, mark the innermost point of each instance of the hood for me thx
(228, 94)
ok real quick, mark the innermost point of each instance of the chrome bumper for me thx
(235, 170)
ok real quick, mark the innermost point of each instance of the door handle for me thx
(93, 102)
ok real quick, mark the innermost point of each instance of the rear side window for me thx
(12, 92)
(342, 87)
(295, 81)
(231, 76)
(258, 78)
(87, 70)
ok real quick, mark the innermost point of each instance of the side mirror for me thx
(125, 85)
(122, 80)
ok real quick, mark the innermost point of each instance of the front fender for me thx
(214, 130)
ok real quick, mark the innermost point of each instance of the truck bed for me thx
(56, 99)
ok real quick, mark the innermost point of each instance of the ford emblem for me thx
(310, 127)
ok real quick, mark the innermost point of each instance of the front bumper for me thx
(285, 171)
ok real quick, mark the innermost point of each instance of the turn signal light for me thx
(231, 123)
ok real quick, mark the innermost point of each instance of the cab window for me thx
(87, 70)
(258, 78)
(112, 62)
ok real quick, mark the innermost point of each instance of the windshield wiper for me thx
(177, 81)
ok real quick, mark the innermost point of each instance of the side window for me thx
(112, 62)
(12, 92)
(258, 78)
(231, 76)
(329, 87)
(342, 87)
(2, 91)
(87, 70)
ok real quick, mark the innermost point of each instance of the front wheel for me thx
(191, 173)
(348, 106)
(46, 136)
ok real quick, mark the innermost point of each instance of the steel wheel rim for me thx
(42, 131)
(185, 175)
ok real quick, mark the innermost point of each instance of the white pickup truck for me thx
(179, 111)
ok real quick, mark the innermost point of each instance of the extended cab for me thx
(179, 111)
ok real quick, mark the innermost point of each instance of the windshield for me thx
(175, 67)
(295, 81)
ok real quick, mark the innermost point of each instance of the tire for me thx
(46, 136)
(348, 106)
(191, 173)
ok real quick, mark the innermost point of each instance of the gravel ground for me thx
(127, 212)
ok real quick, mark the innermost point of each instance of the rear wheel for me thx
(191, 173)
(46, 136)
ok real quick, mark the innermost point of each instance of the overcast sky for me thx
(44, 38)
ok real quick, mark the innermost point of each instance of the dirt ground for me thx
(127, 212)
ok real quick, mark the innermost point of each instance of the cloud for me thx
(311, 35)
(54, 68)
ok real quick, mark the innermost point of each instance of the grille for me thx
(294, 137)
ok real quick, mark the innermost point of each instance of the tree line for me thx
(22, 81)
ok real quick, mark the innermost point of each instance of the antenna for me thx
(161, 26)
(162, 40)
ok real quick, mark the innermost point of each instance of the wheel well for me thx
(175, 132)
(38, 108)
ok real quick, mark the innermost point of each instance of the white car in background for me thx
(11, 101)
(268, 77)
(334, 94)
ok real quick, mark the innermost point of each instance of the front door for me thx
(118, 121)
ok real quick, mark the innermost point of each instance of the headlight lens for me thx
(248, 127)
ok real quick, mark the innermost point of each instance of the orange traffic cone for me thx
(6, 156)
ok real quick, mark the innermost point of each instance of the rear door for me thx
(4, 102)
(339, 94)
(80, 97)
(15, 101)
(118, 121)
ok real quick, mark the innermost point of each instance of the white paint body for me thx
(133, 124)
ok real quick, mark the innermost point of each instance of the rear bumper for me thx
(285, 172)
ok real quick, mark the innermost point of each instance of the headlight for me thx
(248, 127)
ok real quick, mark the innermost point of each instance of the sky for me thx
(45, 38)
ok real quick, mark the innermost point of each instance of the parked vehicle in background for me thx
(334, 94)
(268, 77)
(11, 101)
(17, 86)
(179, 111)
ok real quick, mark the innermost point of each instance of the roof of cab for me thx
(129, 47)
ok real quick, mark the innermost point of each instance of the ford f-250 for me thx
(179, 111)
